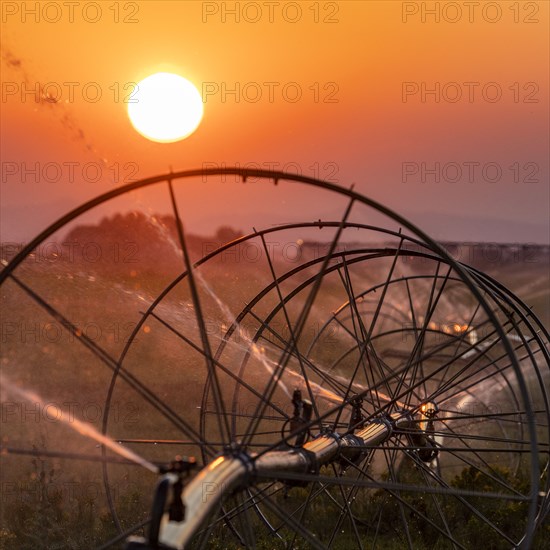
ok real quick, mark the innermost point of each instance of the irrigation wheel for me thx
(342, 382)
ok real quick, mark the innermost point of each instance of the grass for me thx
(38, 508)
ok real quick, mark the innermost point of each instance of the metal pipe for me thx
(229, 472)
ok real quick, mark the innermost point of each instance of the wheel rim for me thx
(504, 358)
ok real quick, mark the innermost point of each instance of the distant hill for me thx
(147, 242)
(136, 242)
(125, 242)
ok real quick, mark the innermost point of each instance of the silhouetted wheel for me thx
(342, 382)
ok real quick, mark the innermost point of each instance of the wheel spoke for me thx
(424, 420)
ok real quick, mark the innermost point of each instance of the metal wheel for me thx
(342, 382)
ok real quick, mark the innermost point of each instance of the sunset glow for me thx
(165, 107)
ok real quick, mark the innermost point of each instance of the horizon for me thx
(442, 119)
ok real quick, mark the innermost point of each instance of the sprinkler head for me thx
(180, 465)
(429, 409)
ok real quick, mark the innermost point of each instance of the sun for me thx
(165, 107)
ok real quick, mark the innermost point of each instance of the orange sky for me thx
(363, 57)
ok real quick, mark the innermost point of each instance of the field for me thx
(78, 355)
